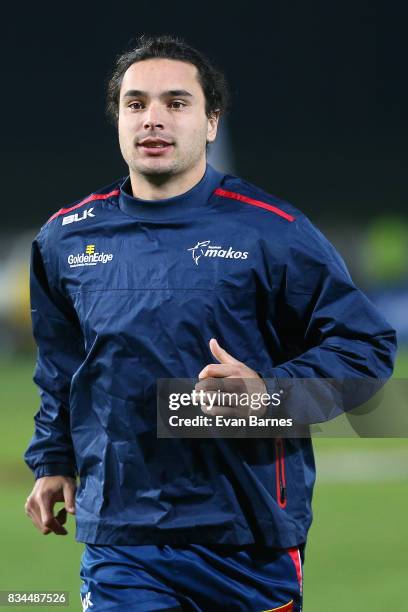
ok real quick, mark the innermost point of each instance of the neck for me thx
(162, 187)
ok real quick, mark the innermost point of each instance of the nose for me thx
(153, 118)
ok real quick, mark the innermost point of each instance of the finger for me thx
(48, 519)
(211, 399)
(222, 384)
(56, 527)
(33, 512)
(221, 354)
(210, 384)
(69, 497)
(226, 411)
(214, 398)
(62, 516)
(216, 370)
(37, 523)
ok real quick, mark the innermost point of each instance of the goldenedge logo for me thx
(89, 258)
(205, 249)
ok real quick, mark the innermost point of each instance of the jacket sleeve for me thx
(329, 331)
(59, 354)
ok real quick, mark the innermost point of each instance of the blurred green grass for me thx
(356, 557)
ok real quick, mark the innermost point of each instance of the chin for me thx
(156, 168)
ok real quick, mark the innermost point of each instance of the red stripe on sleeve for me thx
(241, 198)
(91, 198)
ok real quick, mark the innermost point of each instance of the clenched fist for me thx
(40, 503)
(230, 376)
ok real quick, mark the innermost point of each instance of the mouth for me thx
(154, 146)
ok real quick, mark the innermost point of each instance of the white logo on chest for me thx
(205, 249)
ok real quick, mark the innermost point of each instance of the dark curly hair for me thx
(212, 81)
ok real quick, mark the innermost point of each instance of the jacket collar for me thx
(191, 203)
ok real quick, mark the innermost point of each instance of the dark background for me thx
(319, 118)
(319, 114)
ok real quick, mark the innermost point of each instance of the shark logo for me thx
(198, 250)
(206, 249)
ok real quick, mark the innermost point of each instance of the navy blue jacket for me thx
(125, 291)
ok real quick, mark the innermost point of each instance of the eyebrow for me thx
(137, 93)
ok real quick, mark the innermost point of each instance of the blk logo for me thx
(78, 216)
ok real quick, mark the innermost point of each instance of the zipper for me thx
(280, 473)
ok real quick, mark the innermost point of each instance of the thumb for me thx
(221, 354)
(69, 497)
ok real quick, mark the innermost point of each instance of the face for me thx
(163, 127)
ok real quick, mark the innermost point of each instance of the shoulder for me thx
(273, 216)
(278, 222)
(71, 212)
(256, 200)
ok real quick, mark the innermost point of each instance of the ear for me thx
(213, 125)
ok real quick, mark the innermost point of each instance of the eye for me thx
(177, 104)
(135, 105)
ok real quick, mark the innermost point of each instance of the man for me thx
(140, 281)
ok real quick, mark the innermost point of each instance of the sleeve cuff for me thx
(54, 469)
(273, 386)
